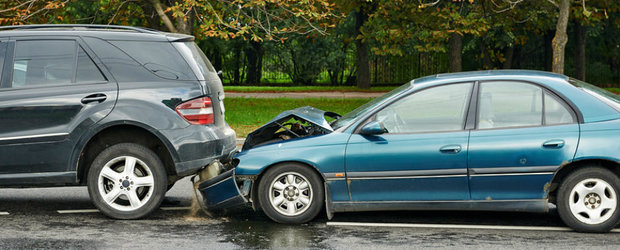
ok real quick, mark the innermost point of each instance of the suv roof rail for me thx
(89, 26)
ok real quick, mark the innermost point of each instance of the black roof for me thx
(107, 32)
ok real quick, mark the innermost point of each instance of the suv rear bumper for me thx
(197, 146)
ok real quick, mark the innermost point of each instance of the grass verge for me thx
(267, 89)
(247, 114)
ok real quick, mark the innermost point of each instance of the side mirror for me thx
(219, 73)
(373, 128)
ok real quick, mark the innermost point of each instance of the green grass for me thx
(270, 89)
(267, 89)
(247, 114)
(615, 90)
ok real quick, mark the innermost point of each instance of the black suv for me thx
(126, 111)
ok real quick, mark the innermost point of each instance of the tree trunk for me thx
(508, 55)
(363, 68)
(159, 8)
(237, 69)
(560, 39)
(152, 18)
(548, 40)
(580, 51)
(254, 56)
(486, 58)
(456, 50)
(185, 25)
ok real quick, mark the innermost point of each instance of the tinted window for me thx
(556, 112)
(87, 71)
(2, 52)
(607, 97)
(436, 109)
(43, 62)
(509, 104)
(120, 65)
(161, 58)
(195, 57)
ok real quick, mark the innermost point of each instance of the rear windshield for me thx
(605, 96)
(197, 60)
(161, 58)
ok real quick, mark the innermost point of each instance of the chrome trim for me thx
(407, 177)
(335, 179)
(32, 136)
(475, 171)
(512, 174)
(406, 173)
(435, 201)
(533, 205)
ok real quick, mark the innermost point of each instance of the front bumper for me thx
(221, 190)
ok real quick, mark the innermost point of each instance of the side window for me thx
(437, 109)
(2, 53)
(121, 66)
(87, 71)
(43, 62)
(166, 63)
(556, 111)
(509, 104)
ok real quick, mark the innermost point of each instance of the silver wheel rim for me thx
(592, 201)
(126, 183)
(290, 194)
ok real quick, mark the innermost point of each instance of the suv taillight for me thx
(198, 111)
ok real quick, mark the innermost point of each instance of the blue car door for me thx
(523, 134)
(421, 156)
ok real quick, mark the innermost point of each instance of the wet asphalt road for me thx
(33, 222)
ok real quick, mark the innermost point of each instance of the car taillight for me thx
(198, 111)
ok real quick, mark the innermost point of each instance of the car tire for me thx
(291, 193)
(588, 200)
(130, 194)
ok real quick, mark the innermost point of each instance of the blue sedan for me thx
(489, 140)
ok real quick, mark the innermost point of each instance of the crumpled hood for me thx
(307, 113)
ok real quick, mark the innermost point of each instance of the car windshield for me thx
(605, 96)
(351, 116)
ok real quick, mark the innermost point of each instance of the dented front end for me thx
(218, 185)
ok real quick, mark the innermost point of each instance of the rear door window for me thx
(52, 62)
(43, 62)
(509, 104)
(2, 53)
(87, 71)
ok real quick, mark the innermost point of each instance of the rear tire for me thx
(291, 193)
(127, 181)
(588, 200)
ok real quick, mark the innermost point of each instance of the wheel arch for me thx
(569, 168)
(121, 132)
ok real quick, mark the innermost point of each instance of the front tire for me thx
(127, 181)
(588, 200)
(291, 193)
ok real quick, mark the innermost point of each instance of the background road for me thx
(50, 218)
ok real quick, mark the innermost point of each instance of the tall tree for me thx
(561, 38)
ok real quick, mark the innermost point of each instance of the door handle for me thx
(450, 149)
(94, 98)
(556, 143)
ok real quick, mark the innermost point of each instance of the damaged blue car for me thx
(488, 141)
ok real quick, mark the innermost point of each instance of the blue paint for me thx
(513, 163)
